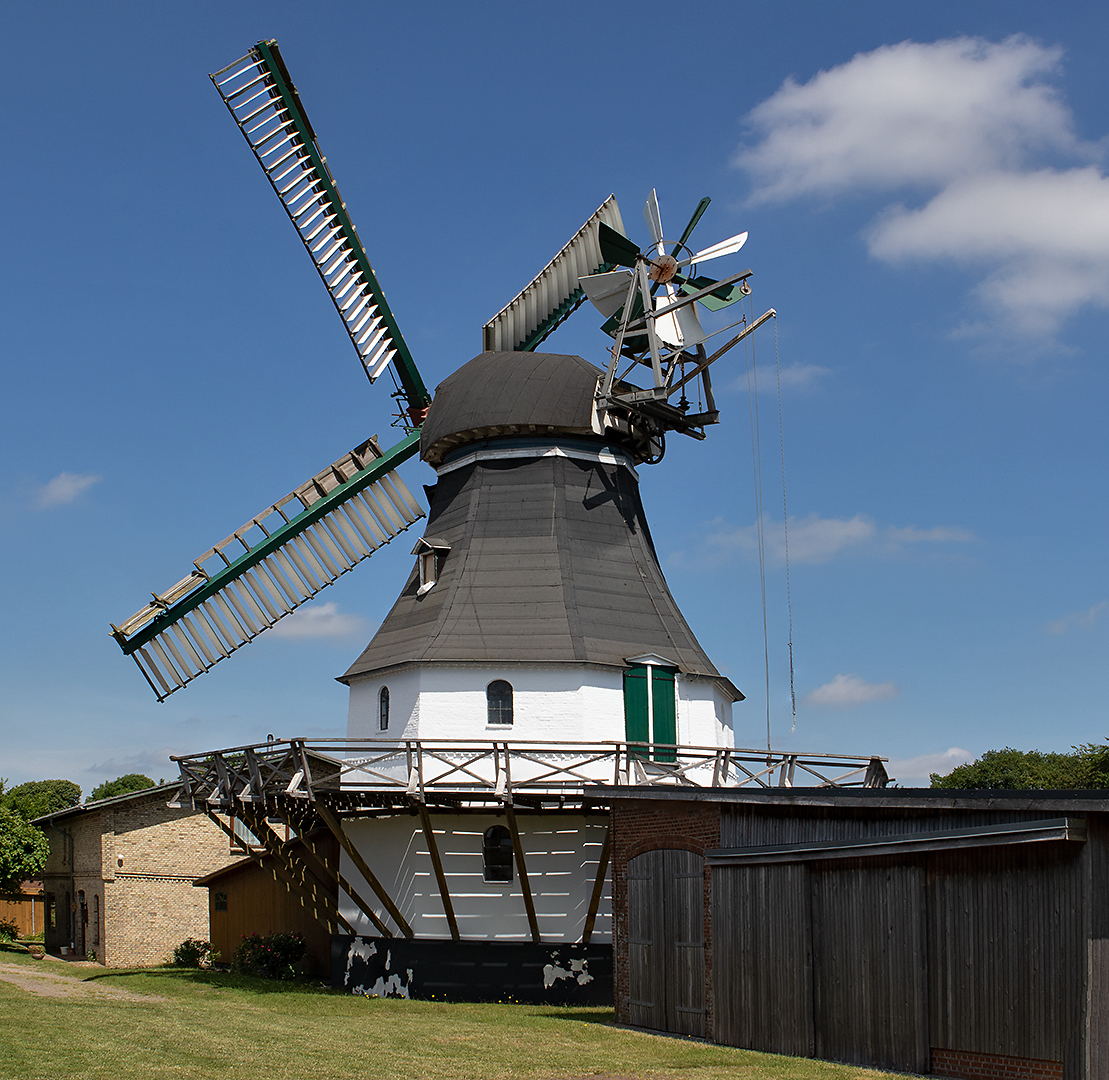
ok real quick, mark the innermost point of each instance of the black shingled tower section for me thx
(551, 559)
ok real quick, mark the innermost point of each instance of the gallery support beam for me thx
(314, 881)
(598, 886)
(330, 915)
(437, 865)
(360, 864)
(361, 903)
(522, 870)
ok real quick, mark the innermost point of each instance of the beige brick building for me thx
(119, 880)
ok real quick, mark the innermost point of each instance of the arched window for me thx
(496, 853)
(383, 709)
(96, 918)
(498, 695)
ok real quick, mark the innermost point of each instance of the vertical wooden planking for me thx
(683, 911)
(870, 1002)
(1009, 953)
(645, 1001)
(762, 958)
(1096, 1049)
(666, 942)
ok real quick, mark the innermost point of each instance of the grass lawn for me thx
(65, 1020)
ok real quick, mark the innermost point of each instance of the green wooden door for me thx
(637, 725)
(665, 712)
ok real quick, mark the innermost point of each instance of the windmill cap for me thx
(510, 393)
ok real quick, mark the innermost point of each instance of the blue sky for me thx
(926, 195)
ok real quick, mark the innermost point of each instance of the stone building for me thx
(119, 880)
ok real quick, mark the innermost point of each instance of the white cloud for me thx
(908, 115)
(64, 488)
(1081, 619)
(319, 621)
(917, 771)
(802, 376)
(1043, 236)
(970, 122)
(847, 691)
(815, 539)
(938, 534)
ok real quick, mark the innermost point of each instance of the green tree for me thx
(122, 785)
(1022, 770)
(23, 850)
(37, 798)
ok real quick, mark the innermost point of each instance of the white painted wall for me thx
(561, 851)
(551, 702)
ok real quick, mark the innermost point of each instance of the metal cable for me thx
(756, 464)
(785, 523)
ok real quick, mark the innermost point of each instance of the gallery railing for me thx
(459, 771)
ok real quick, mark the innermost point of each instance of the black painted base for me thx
(522, 971)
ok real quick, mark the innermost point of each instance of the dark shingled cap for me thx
(510, 393)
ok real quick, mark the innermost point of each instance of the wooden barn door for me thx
(762, 958)
(870, 999)
(666, 941)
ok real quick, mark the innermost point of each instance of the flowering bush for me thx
(271, 957)
(193, 953)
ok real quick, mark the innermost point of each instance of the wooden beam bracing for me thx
(522, 870)
(297, 866)
(325, 913)
(333, 823)
(437, 864)
(598, 887)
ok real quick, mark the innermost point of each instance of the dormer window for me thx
(430, 552)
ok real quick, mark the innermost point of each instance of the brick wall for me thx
(642, 825)
(139, 858)
(972, 1066)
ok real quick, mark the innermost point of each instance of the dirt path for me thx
(47, 982)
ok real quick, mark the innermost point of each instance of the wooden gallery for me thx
(958, 933)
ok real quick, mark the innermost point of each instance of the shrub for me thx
(194, 953)
(23, 851)
(8, 930)
(271, 957)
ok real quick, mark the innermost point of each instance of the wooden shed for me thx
(959, 933)
(248, 897)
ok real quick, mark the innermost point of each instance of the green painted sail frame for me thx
(380, 467)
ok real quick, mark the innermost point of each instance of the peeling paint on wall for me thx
(579, 972)
(475, 970)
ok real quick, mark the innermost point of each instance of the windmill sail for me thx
(555, 294)
(261, 97)
(272, 565)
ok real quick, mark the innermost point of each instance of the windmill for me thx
(282, 557)
(535, 647)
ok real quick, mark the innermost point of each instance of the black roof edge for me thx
(900, 798)
(80, 808)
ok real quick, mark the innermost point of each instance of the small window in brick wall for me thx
(496, 854)
(96, 918)
(219, 901)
